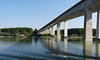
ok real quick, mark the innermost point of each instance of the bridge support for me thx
(41, 32)
(58, 29)
(65, 29)
(44, 31)
(48, 30)
(52, 30)
(98, 25)
(88, 25)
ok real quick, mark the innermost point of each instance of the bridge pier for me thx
(58, 29)
(45, 31)
(98, 25)
(48, 30)
(52, 30)
(88, 25)
(41, 32)
(65, 29)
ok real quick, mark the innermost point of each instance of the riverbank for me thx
(15, 36)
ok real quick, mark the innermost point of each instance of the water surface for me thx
(35, 48)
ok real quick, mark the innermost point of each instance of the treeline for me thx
(16, 31)
(76, 32)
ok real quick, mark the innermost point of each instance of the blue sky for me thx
(36, 13)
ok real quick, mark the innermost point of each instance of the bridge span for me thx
(83, 8)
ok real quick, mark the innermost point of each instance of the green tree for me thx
(35, 32)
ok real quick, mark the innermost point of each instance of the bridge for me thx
(82, 8)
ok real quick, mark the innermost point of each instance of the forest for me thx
(16, 31)
(74, 32)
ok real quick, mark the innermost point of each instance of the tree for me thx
(35, 32)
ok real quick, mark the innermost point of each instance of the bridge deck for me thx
(76, 11)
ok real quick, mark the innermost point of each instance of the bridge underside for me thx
(82, 8)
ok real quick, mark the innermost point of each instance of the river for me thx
(12, 48)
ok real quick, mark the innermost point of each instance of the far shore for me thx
(15, 36)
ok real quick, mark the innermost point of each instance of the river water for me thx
(35, 48)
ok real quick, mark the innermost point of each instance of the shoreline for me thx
(15, 36)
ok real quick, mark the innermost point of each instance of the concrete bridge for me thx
(83, 8)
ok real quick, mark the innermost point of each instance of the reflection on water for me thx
(58, 45)
(71, 49)
(88, 49)
(65, 45)
(48, 48)
(98, 49)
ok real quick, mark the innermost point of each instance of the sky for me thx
(37, 13)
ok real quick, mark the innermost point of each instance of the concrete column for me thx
(58, 29)
(48, 30)
(43, 32)
(53, 30)
(88, 25)
(98, 25)
(65, 29)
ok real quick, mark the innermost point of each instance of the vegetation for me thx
(35, 32)
(16, 31)
(43, 35)
(75, 32)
